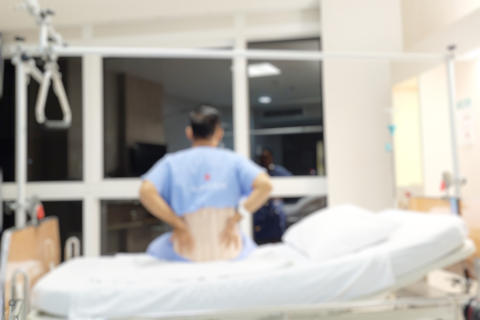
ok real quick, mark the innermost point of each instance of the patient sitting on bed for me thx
(197, 191)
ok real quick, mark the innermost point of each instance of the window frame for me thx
(95, 187)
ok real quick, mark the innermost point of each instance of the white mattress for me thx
(136, 285)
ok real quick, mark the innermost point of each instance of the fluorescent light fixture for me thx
(265, 99)
(262, 70)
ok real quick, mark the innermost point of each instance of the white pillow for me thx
(337, 231)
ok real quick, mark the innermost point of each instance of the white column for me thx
(241, 107)
(21, 138)
(91, 226)
(92, 79)
(356, 95)
(435, 129)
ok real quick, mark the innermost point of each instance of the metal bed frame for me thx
(370, 307)
(447, 308)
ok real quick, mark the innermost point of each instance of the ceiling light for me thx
(265, 99)
(262, 70)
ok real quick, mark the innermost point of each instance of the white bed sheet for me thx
(423, 239)
(135, 285)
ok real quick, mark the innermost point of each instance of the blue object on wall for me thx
(392, 129)
(388, 147)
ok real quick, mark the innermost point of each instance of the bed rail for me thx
(1, 183)
(72, 248)
(19, 303)
(34, 249)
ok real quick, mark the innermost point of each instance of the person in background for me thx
(198, 190)
(270, 220)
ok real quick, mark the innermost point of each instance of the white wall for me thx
(468, 88)
(423, 18)
(167, 23)
(458, 33)
(356, 96)
(437, 152)
(435, 124)
(77, 12)
(407, 137)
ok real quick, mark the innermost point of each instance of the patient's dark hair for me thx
(204, 120)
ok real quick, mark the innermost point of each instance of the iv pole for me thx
(20, 139)
(458, 181)
(25, 66)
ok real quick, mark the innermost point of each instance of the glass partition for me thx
(52, 155)
(147, 104)
(286, 111)
(278, 214)
(69, 214)
(128, 227)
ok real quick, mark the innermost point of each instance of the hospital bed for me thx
(277, 282)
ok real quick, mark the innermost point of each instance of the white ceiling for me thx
(87, 12)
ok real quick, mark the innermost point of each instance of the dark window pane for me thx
(7, 123)
(70, 219)
(277, 214)
(52, 155)
(8, 217)
(286, 111)
(147, 103)
(128, 227)
(312, 44)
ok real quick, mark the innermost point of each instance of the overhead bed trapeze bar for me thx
(132, 52)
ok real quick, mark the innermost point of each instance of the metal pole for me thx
(21, 141)
(1, 201)
(241, 106)
(450, 64)
(179, 53)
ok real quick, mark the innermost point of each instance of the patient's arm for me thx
(157, 206)
(262, 186)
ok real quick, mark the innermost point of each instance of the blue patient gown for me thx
(201, 177)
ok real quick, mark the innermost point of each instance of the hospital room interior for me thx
(268, 159)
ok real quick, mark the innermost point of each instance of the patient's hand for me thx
(184, 239)
(229, 235)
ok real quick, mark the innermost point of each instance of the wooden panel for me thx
(48, 243)
(143, 112)
(428, 204)
(23, 245)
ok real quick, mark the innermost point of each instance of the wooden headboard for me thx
(429, 204)
(36, 249)
(469, 211)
